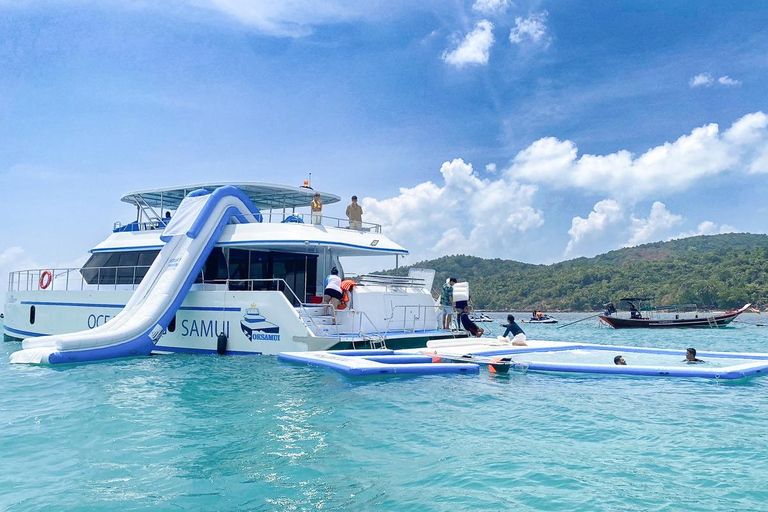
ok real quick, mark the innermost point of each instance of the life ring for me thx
(45, 279)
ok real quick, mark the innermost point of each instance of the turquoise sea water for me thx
(252, 433)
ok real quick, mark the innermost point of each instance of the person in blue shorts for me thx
(446, 302)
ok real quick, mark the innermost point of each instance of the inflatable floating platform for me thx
(553, 356)
(377, 362)
(469, 355)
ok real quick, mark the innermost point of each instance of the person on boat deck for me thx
(518, 336)
(332, 293)
(355, 214)
(317, 209)
(619, 360)
(446, 302)
(468, 324)
(461, 305)
(634, 313)
(690, 357)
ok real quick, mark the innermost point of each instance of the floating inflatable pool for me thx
(377, 362)
(552, 356)
(468, 355)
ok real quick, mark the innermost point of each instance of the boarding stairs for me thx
(320, 324)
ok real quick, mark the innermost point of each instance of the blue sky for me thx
(534, 131)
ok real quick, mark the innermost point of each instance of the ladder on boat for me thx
(376, 341)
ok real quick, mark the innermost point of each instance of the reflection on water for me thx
(251, 433)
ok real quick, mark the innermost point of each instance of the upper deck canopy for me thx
(266, 196)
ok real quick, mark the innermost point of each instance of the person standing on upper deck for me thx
(317, 209)
(355, 214)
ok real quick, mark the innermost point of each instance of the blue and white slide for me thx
(189, 239)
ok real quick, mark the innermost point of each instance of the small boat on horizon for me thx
(665, 316)
(479, 316)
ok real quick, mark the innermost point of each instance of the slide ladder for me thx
(189, 239)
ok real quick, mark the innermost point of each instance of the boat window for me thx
(215, 268)
(238, 269)
(241, 268)
(172, 324)
(299, 271)
(32, 315)
(128, 259)
(125, 267)
(259, 269)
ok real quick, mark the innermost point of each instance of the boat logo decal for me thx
(257, 328)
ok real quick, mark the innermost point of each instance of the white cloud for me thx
(668, 168)
(491, 6)
(290, 18)
(16, 258)
(466, 214)
(605, 214)
(534, 28)
(728, 81)
(701, 80)
(659, 221)
(708, 228)
(706, 80)
(13, 259)
(490, 168)
(475, 48)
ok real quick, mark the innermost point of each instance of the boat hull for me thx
(255, 322)
(706, 322)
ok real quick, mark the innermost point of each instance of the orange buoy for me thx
(45, 279)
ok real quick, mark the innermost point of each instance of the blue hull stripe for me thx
(23, 333)
(181, 350)
(84, 305)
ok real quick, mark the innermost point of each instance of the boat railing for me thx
(387, 280)
(276, 217)
(287, 217)
(127, 278)
(419, 315)
(152, 225)
(70, 279)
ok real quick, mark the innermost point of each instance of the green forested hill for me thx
(725, 271)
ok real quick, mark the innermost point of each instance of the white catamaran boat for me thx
(235, 269)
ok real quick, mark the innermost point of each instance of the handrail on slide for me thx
(189, 239)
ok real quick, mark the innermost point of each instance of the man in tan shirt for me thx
(317, 209)
(355, 214)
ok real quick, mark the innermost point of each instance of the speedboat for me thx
(479, 316)
(543, 319)
(236, 266)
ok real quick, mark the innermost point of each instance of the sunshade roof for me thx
(266, 196)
